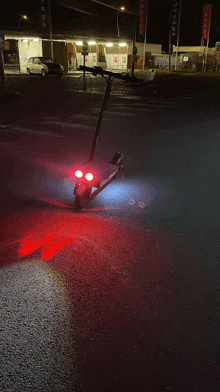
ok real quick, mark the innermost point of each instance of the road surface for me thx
(123, 295)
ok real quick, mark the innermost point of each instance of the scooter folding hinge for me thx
(116, 160)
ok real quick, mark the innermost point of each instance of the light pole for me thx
(51, 33)
(120, 9)
(178, 34)
(2, 72)
(22, 17)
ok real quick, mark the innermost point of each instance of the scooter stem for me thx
(98, 127)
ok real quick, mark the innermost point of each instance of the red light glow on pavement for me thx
(51, 201)
(51, 244)
(99, 245)
(52, 232)
(100, 260)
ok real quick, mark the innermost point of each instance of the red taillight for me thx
(89, 176)
(78, 173)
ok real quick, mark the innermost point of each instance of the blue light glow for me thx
(131, 193)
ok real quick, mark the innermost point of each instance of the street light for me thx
(120, 9)
(22, 17)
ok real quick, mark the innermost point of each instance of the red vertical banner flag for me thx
(143, 8)
(207, 10)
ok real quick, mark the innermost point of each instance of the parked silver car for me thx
(43, 66)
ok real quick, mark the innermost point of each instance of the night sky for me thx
(103, 22)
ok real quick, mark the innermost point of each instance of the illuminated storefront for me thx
(114, 54)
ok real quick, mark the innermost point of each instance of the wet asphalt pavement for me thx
(123, 295)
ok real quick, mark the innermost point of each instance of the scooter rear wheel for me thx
(82, 195)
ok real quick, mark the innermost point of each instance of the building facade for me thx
(67, 50)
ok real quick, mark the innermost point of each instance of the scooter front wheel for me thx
(82, 195)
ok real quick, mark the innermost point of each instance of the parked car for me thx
(44, 66)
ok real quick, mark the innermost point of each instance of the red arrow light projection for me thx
(51, 244)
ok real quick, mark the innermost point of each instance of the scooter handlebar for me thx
(100, 71)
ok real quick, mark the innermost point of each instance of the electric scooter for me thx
(85, 179)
